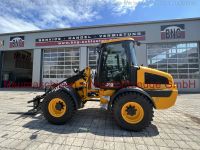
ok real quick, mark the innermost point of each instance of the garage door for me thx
(58, 63)
(181, 60)
(92, 57)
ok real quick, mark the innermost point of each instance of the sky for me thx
(29, 15)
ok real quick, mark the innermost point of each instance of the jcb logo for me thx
(109, 85)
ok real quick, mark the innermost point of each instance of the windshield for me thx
(125, 46)
(133, 53)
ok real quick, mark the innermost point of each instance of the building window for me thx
(181, 60)
(59, 62)
(92, 57)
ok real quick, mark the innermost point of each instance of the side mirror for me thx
(138, 43)
(75, 70)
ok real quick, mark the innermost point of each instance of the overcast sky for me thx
(27, 15)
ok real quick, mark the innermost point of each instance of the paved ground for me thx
(92, 128)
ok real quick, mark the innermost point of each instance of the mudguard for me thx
(128, 89)
(76, 98)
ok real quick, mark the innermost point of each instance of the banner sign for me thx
(16, 41)
(87, 39)
(176, 31)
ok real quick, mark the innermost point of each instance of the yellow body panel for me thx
(159, 102)
(105, 94)
(166, 102)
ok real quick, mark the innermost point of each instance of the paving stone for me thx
(68, 141)
(164, 148)
(184, 137)
(119, 139)
(194, 145)
(183, 144)
(99, 138)
(88, 143)
(59, 140)
(84, 148)
(15, 143)
(171, 143)
(64, 147)
(93, 128)
(2, 139)
(78, 142)
(149, 141)
(50, 139)
(174, 136)
(153, 147)
(90, 136)
(119, 145)
(54, 147)
(6, 143)
(141, 147)
(109, 138)
(160, 142)
(128, 139)
(129, 146)
(23, 145)
(33, 145)
(98, 144)
(138, 140)
(109, 145)
(40, 137)
(43, 146)
(75, 148)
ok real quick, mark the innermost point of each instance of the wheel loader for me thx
(129, 91)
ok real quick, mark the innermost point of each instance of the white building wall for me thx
(83, 57)
(36, 74)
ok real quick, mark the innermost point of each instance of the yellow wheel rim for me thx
(57, 107)
(132, 112)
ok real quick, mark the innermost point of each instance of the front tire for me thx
(58, 107)
(133, 111)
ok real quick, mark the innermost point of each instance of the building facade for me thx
(47, 56)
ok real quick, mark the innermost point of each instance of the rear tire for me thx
(66, 113)
(140, 115)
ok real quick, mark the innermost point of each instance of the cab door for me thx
(114, 68)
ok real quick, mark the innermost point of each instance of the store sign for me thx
(87, 39)
(16, 41)
(1, 43)
(176, 31)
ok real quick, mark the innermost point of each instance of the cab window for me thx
(115, 66)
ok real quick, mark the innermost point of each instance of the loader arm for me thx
(37, 101)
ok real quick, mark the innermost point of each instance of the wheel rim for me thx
(57, 107)
(132, 112)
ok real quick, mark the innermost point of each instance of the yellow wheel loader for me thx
(129, 91)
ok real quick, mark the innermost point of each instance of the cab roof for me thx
(118, 40)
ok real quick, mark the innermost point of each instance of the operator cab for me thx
(117, 64)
